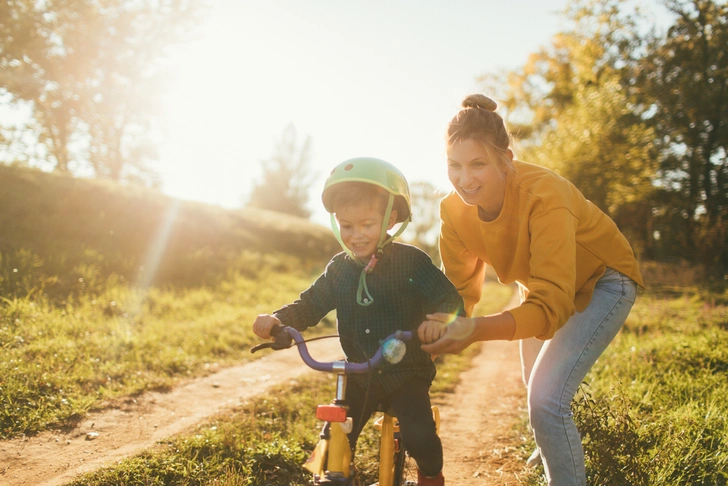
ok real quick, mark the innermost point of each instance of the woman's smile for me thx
(477, 176)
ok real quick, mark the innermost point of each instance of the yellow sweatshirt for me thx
(548, 238)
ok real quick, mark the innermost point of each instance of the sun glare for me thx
(215, 111)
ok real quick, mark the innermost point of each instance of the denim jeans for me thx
(554, 369)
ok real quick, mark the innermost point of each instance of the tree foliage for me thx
(685, 79)
(577, 113)
(90, 71)
(637, 120)
(286, 177)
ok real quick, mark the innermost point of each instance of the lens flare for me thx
(459, 328)
(154, 255)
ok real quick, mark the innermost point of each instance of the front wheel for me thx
(405, 468)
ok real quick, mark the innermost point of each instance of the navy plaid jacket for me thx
(405, 286)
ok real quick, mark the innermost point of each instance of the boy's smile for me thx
(360, 226)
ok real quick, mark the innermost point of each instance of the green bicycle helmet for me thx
(370, 170)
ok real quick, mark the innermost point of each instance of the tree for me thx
(575, 107)
(286, 177)
(685, 80)
(90, 70)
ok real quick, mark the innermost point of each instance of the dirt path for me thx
(477, 420)
(476, 432)
(55, 458)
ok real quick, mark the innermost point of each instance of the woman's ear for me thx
(392, 219)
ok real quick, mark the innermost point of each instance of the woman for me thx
(576, 272)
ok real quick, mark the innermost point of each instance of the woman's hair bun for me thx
(479, 101)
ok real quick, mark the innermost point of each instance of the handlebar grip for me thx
(282, 340)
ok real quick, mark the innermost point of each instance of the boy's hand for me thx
(263, 324)
(431, 331)
(456, 333)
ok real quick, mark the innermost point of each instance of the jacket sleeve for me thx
(438, 292)
(464, 269)
(312, 305)
(550, 298)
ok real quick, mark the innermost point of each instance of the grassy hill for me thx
(57, 230)
(107, 291)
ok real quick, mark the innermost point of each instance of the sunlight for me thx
(154, 256)
(359, 80)
(230, 100)
(246, 74)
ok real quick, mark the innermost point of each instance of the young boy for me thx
(377, 287)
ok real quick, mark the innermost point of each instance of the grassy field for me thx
(61, 361)
(108, 292)
(69, 238)
(265, 441)
(653, 410)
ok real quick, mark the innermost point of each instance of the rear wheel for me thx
(405, 468)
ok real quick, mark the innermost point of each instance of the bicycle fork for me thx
(330, 461)
(387, 445)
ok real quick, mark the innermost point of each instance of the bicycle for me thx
(331, 461)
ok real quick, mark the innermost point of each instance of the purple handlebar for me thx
(341, 366)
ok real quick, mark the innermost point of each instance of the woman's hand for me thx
(446, 333)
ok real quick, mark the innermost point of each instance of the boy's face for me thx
(360, 226)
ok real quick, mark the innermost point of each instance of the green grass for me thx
(108, 291)
(653, 408)
(265, 441)
(98, 305)
(64, 236)
(60, 362)
(262, 442)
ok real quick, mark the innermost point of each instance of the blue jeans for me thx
(554, 369)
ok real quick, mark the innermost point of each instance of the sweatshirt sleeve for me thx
(464, 269)
(550, 299)
(312, 305)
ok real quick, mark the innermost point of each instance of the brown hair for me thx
(347, 194)
(478, 121)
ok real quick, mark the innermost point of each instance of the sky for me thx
(378, 78)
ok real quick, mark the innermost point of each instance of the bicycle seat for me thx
(385, 407)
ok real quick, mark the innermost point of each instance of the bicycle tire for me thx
(405, 468)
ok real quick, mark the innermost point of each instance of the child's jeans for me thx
(553, 370)
(411, 405)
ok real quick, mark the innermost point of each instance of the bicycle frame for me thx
(389, 448)
(330, 462)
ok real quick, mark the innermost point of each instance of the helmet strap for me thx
(363, 297)
(383, 240)
(337, 235)
(385, 225)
